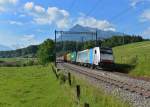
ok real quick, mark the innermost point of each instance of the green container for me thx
(73, 56)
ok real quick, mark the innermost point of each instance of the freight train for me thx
(94, 58)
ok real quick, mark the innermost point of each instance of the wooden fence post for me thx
(69, 78)
(86, 105)
(78, 91)
(55, 72)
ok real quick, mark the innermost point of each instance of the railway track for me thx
(133, 88)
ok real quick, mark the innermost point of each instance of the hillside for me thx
(29, 51)
(135, 54)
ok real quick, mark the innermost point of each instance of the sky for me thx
(29, 22)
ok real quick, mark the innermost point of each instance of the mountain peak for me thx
(77, 25)
(79, 28)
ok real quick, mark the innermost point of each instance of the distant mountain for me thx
(4, 48)
(78, 28)
(29, 51)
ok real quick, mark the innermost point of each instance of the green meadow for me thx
(135, 54)
(37, 86)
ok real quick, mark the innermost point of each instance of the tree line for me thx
(45, 51)
(69, 46)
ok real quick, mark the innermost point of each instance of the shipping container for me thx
(73, 56)
(83, 56)
(68, 57)
(65, 57)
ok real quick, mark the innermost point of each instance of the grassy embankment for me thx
(137, 55)
(37, 86)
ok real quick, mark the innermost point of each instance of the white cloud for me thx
(42, 20)
(64, 23)
(94, 23)
(2, 9)
(12, 1)
(15, 23)
(135, 2)
(15, 41)
(39, 9)
(22, 15)
(145, 16)
(61, 18)
(28, 39)
(146, 33)
(3, 2)
(29, 5)
(51, 15)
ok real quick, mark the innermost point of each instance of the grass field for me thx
(16, 59)
(37, 86)
(137, 54)
(16, 62)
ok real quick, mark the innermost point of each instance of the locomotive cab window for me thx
(95, 51)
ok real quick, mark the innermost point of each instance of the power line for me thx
(97, 3)
(120, 14)
(72, 5)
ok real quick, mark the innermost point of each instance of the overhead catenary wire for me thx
(116, 17)
(121, 13)
(113, 18)
(97, 3)
(72, 5)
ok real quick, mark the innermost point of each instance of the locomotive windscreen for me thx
(106, 51)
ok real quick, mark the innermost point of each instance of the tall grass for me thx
(96, 97)
(37, 86)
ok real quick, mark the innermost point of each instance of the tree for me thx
(89, 44)
(46, 52)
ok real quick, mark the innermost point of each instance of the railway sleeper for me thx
(133, 88)
(126, 87)
(121, 84)
(146, 94)
(109, 81)
(117, 84)
(138, 90)
(102, 79)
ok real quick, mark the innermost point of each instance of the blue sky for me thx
(26, 22)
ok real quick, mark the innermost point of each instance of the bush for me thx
(30, 63)
(133, 60)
